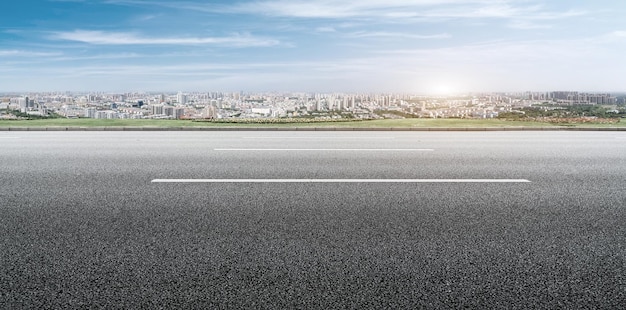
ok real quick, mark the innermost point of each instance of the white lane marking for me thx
(330, 138)
(331, 150)
(340, 181)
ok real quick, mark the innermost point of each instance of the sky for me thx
(401, 46)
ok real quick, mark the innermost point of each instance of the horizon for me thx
(277, 93)
(424, 47)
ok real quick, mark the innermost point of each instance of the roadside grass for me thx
(386, 123)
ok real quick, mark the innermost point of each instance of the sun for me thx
(448, 86)
(444, 89)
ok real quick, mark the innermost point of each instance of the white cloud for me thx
(527, 25)
(9, 53)
(343, 8)
(19, 53)
(144, 18)
(336, 9)
(325, 29)
(556, 15)
(618, 34)
(396, 9)
(100, 57)
(382, 34)
(127, 38)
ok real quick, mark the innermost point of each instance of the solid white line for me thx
(340, 181)
(331, 150)
(333, 138)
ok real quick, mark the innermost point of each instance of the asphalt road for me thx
(82, 225)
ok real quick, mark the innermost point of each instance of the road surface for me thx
(313, 219)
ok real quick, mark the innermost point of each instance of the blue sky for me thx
(409, 46)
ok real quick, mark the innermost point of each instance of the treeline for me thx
(396, 113)
(26, 116)
(565, 112)
(277, 120)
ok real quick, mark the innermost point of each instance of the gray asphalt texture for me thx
(82, 226)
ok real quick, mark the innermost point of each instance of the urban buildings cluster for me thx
(217, 105)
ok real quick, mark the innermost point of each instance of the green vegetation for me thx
(548, 110)
(383, 123)
(26, 116)
(399, 114)
(90, 122)
(464, 123)
(273, 121)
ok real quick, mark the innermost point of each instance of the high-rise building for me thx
(168, 110)
(90, 112)
(209, 112)
(156, 109)
(179, 112)
(181, 98)
(24, 104)
(562, 95)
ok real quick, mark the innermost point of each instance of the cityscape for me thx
(335, 106)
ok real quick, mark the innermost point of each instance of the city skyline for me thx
(240, 106)
(421, 46)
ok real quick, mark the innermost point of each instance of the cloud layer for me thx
(315, 45)
(126, 38)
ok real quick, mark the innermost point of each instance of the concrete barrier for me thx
(132, 128)
(160, 129)
(229, 129)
